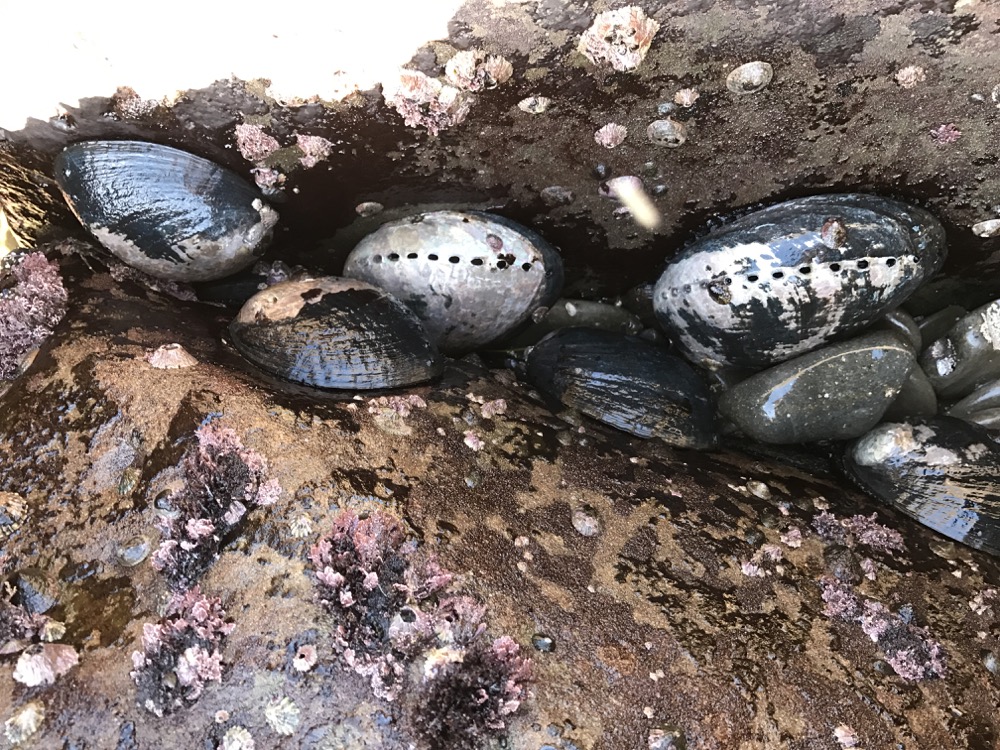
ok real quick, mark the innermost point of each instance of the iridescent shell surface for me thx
(163, 211)
(785, 280)
(470, 277)
(625, 382)
(941, 471)
(334, 333)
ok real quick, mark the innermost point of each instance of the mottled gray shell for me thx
(941, 471)
(163, 211)
(785, 280)
(625, 382)
(334, 333)
(470, 277)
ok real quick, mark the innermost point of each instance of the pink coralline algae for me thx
(314, 149)
(945, 134)
(29, 311)
(858, 530)
(619, 37)
(254, 144)
(425, 101)
(400, 626)
(223, 479)
(908, 648)
(181, 652)
(474, 70)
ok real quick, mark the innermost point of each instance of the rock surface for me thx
(669, 615)
(691, 588)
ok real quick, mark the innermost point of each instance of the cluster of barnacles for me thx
(400, 625)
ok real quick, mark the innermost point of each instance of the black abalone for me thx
(164, 211)
(785, 280)
(940, 470)
(625, 382)
(471, 277)
(334, 333)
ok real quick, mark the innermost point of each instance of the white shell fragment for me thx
(750, 77)
(611, 135)
(171, 357)
(282, 715)
(534, 105)
(668, 132)
(470, 277)
(988, 228)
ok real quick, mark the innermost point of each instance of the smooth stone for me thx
(903, 325)
(933, 327)
(576, 313)
(835, 393)
(988, 418)
(967, 356)
(916, 398)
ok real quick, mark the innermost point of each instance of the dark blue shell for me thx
(625, 382)
(940, 471)
(334, 333)
(785, 280)
(164, 211)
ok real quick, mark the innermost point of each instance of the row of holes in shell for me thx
(804, 270)
(860, 265)
(501, 263)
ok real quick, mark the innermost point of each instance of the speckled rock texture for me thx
(736, 601)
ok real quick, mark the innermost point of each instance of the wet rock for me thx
(903, 325)
(838, 392)
(573, 313)
(936, 325)
(982, 406)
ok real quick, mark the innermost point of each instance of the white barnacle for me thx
(282, 715)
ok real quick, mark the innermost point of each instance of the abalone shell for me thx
(334, 333)
(166, 212)
(787, 279)
(471, 277)
(941, 471)
(625, 382)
